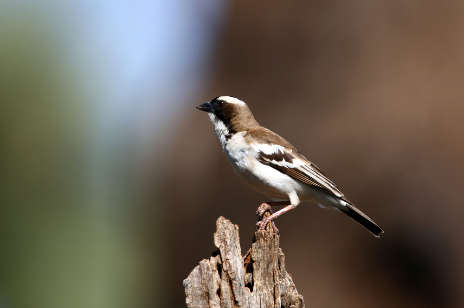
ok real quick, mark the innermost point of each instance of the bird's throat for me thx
(222, 130)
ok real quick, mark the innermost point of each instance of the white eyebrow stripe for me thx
(231, 100)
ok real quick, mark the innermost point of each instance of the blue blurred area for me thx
(87, 90)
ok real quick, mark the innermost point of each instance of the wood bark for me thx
(227, 279)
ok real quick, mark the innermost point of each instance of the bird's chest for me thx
(238, 152)
(242, 157)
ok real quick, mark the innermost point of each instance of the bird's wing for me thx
(292, 163)
(278, 153)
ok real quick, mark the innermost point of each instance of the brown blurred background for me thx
(372, 93)
(111, 181)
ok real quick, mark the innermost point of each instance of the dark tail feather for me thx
(362, 219)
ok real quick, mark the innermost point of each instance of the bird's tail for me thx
(361, 218)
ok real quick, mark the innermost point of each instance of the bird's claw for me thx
(261, 225)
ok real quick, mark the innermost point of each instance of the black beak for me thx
(208, 107)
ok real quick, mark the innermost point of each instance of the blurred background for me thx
(111, 181)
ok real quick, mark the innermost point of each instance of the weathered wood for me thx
(227, 279)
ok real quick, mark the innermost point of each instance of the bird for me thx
(273, 167)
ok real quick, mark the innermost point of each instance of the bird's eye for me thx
(220, 103)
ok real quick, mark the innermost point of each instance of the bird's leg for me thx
(262, 224)
(266, 207)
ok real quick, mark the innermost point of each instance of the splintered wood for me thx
(229, 280)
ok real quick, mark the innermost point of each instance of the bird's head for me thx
(230, 111)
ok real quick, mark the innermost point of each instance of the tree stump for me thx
(227, 279)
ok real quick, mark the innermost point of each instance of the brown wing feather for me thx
(265, 136)
(297, 174)
(307, 173)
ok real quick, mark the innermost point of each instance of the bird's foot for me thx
(262, 223)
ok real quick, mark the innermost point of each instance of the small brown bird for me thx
(272, 166)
